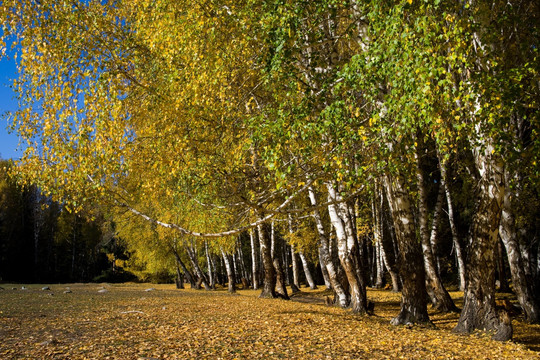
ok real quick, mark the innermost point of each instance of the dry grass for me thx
(129, 323)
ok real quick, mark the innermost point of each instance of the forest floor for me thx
(125, 321)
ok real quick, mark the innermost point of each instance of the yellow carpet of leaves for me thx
(127, 322)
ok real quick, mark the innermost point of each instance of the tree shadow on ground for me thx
(387, 306)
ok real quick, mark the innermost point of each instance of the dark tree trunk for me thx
(243, 271)
(390, 244)
(444, 301)
(295, 285)
(188, 273)
(455, 239)
(223, 277)
(179, 278)
(504, 286)
(281, 287)
(479, 301)
(523, 287)
(536, 273)
(218, 268)
(413, 295)
(441, 297)
(387, 242)
(242, 263)
(195, 263)
(269, 284)
(286, 266)
(368, 253)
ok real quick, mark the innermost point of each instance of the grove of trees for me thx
(369, 138)
(40, 241)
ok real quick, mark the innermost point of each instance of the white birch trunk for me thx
(325, 251)
(254, 260)
(307, 272)
(348, 250)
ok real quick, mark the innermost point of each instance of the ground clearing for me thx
(127, 322)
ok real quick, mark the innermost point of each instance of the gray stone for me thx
(49, 342)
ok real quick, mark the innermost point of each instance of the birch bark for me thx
(348, 251)
(269, 284)
(443, 301)
(411, 267)
(342, 296)
(509, 235)
(479, 306)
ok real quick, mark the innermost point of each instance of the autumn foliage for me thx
(239, 141)
(130, 322)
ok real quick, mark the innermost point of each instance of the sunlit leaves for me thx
(119, 104)
(197, 106)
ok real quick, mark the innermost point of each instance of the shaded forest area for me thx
(42, 242)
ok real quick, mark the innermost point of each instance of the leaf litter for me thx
(128, 322)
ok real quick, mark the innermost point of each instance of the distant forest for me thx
(40, 241)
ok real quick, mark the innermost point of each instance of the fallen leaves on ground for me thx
(128, 322)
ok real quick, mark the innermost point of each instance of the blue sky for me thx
(8, 142)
